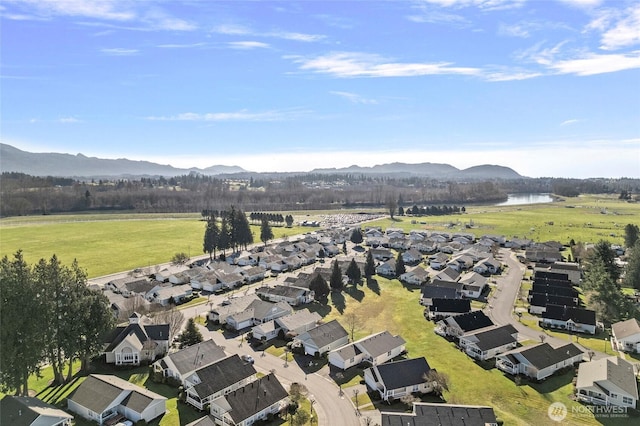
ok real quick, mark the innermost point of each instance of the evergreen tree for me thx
(631, 234)
(289, 220)
(632, 270)
(266, 233)
(320, 287)
(224, 238)
(400, 268)
(369, 265)
(190, 336)
(604, 253)
(353, 272)
(211, 235)
(344, 247)
(356, 236)
(336, 277)
(21, 315)
(242, 230)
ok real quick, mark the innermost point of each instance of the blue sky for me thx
(549, 88)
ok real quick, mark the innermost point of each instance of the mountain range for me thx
(80, 166)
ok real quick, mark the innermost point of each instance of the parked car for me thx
(248, 359)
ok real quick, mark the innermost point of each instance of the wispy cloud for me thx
(593, 63)
(181, 46)
(243, 115)
(625, 32)
(246, 45)
(354, 97)
(570, 122)
(522, 30)
(69, 120)
(582, 3)
(119, 51)
(355, 64)
(241, 30)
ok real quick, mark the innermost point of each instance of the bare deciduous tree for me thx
(172, 316)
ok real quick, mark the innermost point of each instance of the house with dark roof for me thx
(231, 306)
(136, 342)
(211, 382)
(538, 302)
(416, 276)
(539, 361)
(555, 290)
(572, 270)
(447, 274)
(375, 349)
(427, 414)
(441, 308)
(473, 284)
(486, 343)
(292, 295)
(387, 269)
(183, 363)
(105, 399)
(287, 326)
(253, 402)
(543, 255)
(569, 318)
(626, 335)
(436, 291)
(323, 338)
(30, 411)
(458, 325)
(393, 380)
(607, 381)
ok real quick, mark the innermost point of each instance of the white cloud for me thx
(119, 51)
(354, 97)
(69, 120)
(247, 45)
(522, 30)
(181, 46)
(592, 63)
(625, 32)
(296, 36)
(275, 115)
(355, 64)
(582, 3)
(570, 122)
(240, 30)
(99, 9)
(232, 29)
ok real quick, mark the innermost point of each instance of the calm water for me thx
(532, 198)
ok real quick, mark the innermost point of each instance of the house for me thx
(387, 269)
(460, 324)
(30, 411)
(294, 296)
(105, 399)
(253, 402)
(461, 262)
(416, 276)
(258, 312)
(427, 413)
(231, 306)
(607, 381)
(540, 361)
(167, 294)
(323, 338)
(486, 343)
(298, 322)
(411, 257)
(441, 308)
(381, 254)
(473, 284)
(538, 302)
(435, 291)
(395, 379)
(571, 269)
(487, 266)
(447, 274)
(253, 273)
(569, 318)
(136, 342)
(542, 255)
(438, 261)
(180, 365)
(215, 380)
(555, 290)
(626, 335)
(375, 349)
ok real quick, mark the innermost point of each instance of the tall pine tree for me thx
(336, 277)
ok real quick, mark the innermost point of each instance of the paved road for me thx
(500, 307)
(330, 408)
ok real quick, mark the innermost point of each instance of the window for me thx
(389, 353)
(627, 400)
(613, 396)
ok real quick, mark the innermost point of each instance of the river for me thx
(528, 198)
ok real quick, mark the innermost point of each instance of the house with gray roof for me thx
(426, 413)
(626, 335)
(30, 411)
(213, 381)
(136, 342)
(486, 343)
(539, 361)
(105, 399)
(286, 326)
(375, 349)
(292, 295)
(456, 326)
(181, 364)
(607, 381)
(258, 312)
(231, 306)
(416, 276)
(323, 338)
(393, 380)
(250, 403)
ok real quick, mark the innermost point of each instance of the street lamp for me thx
(311, 402)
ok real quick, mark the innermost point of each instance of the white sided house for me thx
(488, 343)
(183, 363)
(375, 349)
(626, 335)
(322, 339)
(540, 361)
(393, 380)
(607, 381)
(137, 342)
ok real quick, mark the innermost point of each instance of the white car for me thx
(248, 359)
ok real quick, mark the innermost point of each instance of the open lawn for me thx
(396, 309)
(585, 219)
(110, 243)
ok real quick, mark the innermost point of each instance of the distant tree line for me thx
(26, 195)
(430, 210)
